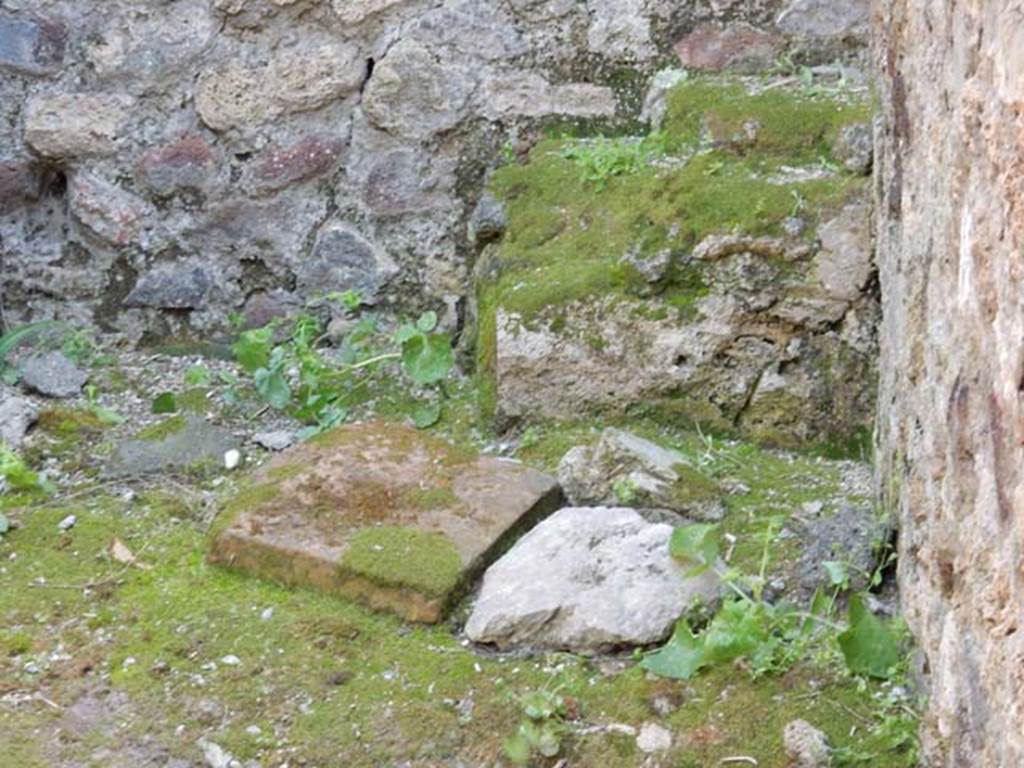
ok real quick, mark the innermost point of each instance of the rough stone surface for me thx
(846, 528)
(825, 18)
(73, 124)
(845, 263)
(855, 147)
(805, 745)
(306, 159)
(189, 443)
(951, 242)
(107, 211)
(185, 164)
(344, 260)
(31, 45)
(235, 96)
(19, 184)
(238, 128)
(653, 738)
(586, 580)
(171, 287)
(17, 415)
(624, 469)
(749, 355)
(277, 440)
(383, 514)
(655, 101)
(714, 47)
(51, 374)
(488, 221)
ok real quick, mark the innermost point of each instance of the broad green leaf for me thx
(548, 742)
(838, 573)
(695, 546)
(821, 607)
(427, 359)
(252, 350)
(680, 658)
(868, 646)
(165, 402)
(273, 388)
(517, 749)
(738, 629)
(9, 374)
(404, 333)
(427, 322)
(426, 415)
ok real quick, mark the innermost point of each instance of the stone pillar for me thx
(950, 187)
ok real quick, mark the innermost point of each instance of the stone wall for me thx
(165, 163)
(951, 259)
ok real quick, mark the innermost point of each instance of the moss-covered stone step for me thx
(718, 272)
(383, 514)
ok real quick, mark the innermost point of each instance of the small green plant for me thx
(508, 153)
(17, 476)
(349, 300)
(295, 375)
(542, 728)
(602, 158)
(799, 203)
(79, 345)
(625, 490)
(770, 637)
(103, 414)
(198, 376)
(165, 402)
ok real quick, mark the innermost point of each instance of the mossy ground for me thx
(325, 681)
(333, 684)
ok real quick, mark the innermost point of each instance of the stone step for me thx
(383, 514)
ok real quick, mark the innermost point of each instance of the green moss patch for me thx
(780, 122)
(64, 422)
(329, 682)
(393, 556)
(693, 486)
(162, 429)
(431, 498)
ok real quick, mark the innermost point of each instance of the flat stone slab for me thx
(587, 580)
(186, 443)
(383, 514)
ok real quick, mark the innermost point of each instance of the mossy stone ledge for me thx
(382, 514)
(728, 259)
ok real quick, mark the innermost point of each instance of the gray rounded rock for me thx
(53, 375)
(588, 580)
(17, 415)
